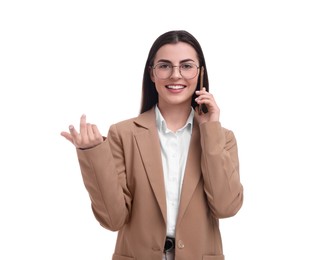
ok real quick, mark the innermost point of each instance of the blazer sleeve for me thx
(104, 176)
(220, 169)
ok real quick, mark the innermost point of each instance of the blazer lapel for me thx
(148, 143)
(192, 171)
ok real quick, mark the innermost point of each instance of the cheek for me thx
(158, 83)
(193, 84)
(159, 86)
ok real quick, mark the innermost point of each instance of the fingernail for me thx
(71, 127)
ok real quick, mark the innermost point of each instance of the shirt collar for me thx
(162, 126)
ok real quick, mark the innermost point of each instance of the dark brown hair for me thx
(149, 92)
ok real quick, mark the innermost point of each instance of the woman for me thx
(166, 177)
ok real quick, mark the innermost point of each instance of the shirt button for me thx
(180, 244)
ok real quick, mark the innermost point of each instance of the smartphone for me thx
(202, 107)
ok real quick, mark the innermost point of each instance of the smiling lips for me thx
(175, 87)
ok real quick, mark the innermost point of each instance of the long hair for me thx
(149, 93)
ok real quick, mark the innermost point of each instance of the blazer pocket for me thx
(213, 257)
(120, 257)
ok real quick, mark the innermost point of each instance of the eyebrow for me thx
(168, 61)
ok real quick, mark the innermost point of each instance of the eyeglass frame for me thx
(173, 66)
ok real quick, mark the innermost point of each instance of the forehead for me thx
(176, 52)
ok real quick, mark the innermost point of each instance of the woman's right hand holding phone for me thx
(88, 137)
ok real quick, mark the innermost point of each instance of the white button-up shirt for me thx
(174, 151)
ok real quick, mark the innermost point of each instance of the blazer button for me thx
(180, 244)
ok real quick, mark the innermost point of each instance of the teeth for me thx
(175, 87)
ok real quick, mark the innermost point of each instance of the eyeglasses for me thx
(164, 70)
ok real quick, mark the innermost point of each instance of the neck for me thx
(175, 116)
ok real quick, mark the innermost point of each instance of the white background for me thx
(62, 58)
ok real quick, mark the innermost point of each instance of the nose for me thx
(176, 72)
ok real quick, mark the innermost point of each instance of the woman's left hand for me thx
(208, 100)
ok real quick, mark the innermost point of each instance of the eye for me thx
(163, 66)
(187, 66)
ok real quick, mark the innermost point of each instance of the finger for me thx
(67, 136)
(97, 133)
(73, 132)
(201, 92)
(208, 101)
(83, 125)
(204, 97)
(76, 137)
(197, 110)
(90, 132)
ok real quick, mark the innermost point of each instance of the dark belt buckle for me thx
(169, 244)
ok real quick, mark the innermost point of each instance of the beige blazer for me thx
(124, 178)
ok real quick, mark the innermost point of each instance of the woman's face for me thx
(173, 87)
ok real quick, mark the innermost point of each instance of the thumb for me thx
(67, 136)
